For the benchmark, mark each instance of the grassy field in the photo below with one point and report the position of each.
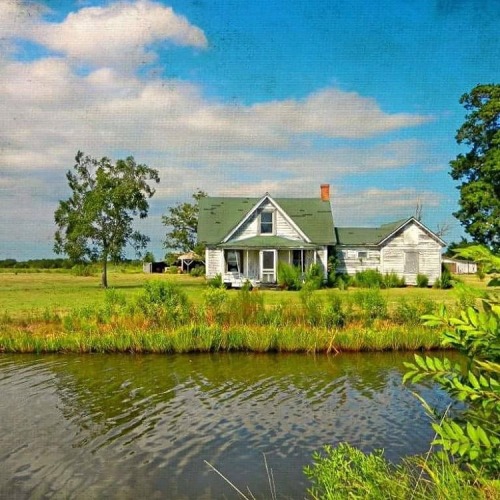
(23, 293)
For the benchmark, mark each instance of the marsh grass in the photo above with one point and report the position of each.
(165, 316)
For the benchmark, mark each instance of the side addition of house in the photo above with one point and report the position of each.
(405, 247)
(246, 238)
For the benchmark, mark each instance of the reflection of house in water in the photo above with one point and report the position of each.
(246, 239)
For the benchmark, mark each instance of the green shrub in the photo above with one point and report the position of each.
(312, 304)
(314, 277)
(289, 277)
(163, 302)
(392, 280)
(369, 278)
(411, 311)
(83, 270)
(215, 282)
(371, 304)
(197, 271)
(247, 307)
(215, 302)
(422, 281)
(334, 314)
(446, 281)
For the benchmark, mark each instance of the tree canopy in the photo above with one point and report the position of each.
(96, 222)
(182, 223)
(479, 168)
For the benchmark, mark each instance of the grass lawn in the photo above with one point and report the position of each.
(24, 293)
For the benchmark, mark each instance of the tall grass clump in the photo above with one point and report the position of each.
(162, 303)
(312, 305)
(346, 472)
(247, 307)
(369, 278)
(410, 312)
(371, 304)
(289, 277)
(392, 280)
(215, 304)
(422, 281)
(334, 314)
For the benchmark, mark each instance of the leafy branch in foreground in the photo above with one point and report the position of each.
(473, 436)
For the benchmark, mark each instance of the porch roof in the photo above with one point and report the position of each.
(276, 242)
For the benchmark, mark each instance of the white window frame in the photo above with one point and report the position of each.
(273, 222)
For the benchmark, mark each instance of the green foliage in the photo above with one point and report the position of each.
(96, 222)
(334, 313)
(392, 280)
(83, 270)
(314, 277)
(445, 281)
(164, 303)
(479, 168)
(197, 271)
(371, 304)
(410, 312)
(215, 282)
(215, 300)
(182, 224)
(369, 278)
(312, 304)
(486, 260)
(346, 472)
(422, 281)
(473, 437)
(289, 277)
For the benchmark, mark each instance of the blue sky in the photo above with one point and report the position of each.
(240, 98)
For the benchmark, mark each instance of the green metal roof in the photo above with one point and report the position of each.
(366, 235)
(267, 242)
(220, 215)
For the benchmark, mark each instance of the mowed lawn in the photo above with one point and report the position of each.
(27, 293)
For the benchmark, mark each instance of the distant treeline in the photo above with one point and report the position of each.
(47, 263)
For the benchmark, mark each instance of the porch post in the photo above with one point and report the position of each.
(246, 263)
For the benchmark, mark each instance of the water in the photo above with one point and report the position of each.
(123, 426)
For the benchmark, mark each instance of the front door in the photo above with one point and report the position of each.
(268, 260)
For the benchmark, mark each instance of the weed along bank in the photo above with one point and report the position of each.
(247, 238)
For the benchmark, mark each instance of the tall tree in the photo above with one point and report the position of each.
(95, 222)
(479, 168)
(182, 224)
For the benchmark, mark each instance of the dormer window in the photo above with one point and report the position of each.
(267, 222)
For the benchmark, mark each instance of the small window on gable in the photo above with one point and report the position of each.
(267, 223)
(362, 255)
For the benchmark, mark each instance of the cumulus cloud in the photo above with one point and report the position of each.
(118, 35)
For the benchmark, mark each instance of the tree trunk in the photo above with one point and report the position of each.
(104, 280)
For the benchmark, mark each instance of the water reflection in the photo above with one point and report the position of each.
(122, 426)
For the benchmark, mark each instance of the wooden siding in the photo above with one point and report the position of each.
(409, 252)
(350, 262)
(282, 227)
(213, 259)
(397, 253)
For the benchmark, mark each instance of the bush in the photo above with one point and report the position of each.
(215, 301)
(422, 281)
(411, 312)
(163, 302)
(334, 314)
(314, 277)
(197, 271)
(392, 280)
(446, 281)
(83, 270)
(371, 303)
(369, 278)
(289, 277)
(215, 282)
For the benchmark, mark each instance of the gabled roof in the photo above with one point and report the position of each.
(219, 216)
(374, 236)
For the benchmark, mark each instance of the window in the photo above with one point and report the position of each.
(267, 223)
(411, 262)
(298, 259)
(362, 255)
(233, 260)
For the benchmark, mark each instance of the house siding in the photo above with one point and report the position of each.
(213, 259)
(350, 262)
(251, 227)
(396, 255)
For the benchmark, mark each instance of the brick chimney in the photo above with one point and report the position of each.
(325, 192)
